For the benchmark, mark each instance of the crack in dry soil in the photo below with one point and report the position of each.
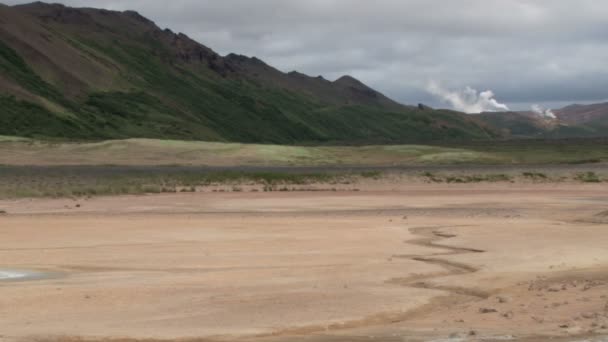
(429, 238)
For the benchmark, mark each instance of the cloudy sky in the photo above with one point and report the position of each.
(546, 52)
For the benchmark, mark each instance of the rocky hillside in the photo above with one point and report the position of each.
(82, 73)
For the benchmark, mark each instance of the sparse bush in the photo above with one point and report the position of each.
(586, 161)
(472, 178)
(535, 175)
(432, 177)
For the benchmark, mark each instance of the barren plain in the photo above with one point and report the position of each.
(398, 262)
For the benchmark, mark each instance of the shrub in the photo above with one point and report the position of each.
(588, 177)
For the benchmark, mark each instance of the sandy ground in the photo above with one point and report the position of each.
(419, 262)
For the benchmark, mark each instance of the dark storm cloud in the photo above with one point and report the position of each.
(526, 51)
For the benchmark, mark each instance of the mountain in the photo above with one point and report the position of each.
(594, 115)
(83, 73)
(573, 121)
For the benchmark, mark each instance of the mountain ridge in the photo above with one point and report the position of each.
(84, 73)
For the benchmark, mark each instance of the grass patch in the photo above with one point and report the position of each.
(581, 151)
(371, 174)
(175, 152)
(588, 177)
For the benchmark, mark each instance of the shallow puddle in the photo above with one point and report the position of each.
(13, 275)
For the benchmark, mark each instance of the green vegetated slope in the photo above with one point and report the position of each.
(98, 74)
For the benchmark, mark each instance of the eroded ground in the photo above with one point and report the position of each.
(419, 262)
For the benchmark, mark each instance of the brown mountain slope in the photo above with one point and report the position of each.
(584, 114)
(571, 121)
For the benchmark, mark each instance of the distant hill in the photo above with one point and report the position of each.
(569, 122)
(82, 73)
(595, 115)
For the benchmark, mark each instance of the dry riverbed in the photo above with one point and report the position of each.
(417, 262)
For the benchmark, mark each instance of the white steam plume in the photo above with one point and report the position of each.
(467, 100)
(546, 113)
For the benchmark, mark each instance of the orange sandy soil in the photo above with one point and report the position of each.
(421, 262)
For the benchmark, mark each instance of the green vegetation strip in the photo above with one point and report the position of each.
(23, 151)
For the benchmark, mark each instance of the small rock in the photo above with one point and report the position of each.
(486, 310)
(472, 333)
(502, 299)
(588, 315)
(554, 288)
(564, 326)
(508, 315)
